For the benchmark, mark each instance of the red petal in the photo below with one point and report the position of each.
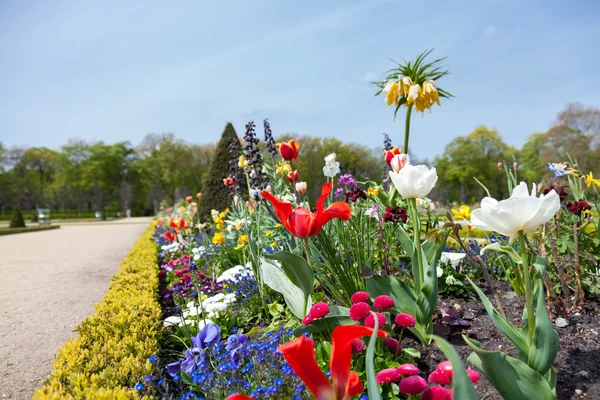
(300, 354)
(341, 354)
(238, 396)
(354, 384)
(336, 210)
(325, 190)
(301, 222)
(283, 209)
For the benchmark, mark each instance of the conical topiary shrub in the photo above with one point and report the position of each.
(17, 220)
(215, 195)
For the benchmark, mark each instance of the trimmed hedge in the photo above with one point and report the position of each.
(111, 353)
(10, 231)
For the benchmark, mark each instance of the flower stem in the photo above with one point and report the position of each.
(407, 128)
(417, 229)
(527, 284)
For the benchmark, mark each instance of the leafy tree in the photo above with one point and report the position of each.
(17, 220)
(214, 194)
(475, 155)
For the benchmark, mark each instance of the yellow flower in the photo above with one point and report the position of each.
(589, 180)
(218, 238)
(277, 225)
(242, 162)
(273, 245)
(405, 84)
(243, 239)
(283, 168)
(391, 90)
(373, 191)
(463, 212)
(268, 233)
(430, 94)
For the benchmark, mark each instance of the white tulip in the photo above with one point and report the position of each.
(521, 212)
(452, 258)
(301, 187)
(414, 181)
(490, 247)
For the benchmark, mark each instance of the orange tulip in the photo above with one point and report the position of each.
(292, 176)
(230, 182)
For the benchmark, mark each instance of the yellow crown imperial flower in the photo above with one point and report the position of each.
(430, 93)
(391, 91)
(405, 84)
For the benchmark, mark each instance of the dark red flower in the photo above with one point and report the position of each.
(412, 385)
(405, 320)
(436, 393)
(578, 207)
(562, 194)
(288, 150)
(395, 213)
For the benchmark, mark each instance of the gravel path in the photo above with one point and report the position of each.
(49, 282)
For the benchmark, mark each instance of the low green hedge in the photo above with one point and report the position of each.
(110, 355)
(10, 231)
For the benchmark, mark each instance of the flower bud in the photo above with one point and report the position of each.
(198, 195)
(515, 165)
(500, 165)
(301, 187)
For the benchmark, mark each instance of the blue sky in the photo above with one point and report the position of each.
(114, 70)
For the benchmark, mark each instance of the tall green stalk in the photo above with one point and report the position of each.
(417, 228)
(527, 284)
(407, 128)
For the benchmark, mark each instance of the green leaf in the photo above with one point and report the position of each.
(324, 325)
(463, 388)
(273, 276)
(414, 353)
(507, 329)
(512, 378)
(298, 271)
(373, 387)
(540, 265)
(404, 298)
(544, 348)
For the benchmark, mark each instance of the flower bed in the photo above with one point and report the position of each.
(112, 349)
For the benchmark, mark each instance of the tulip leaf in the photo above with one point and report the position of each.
(404, 298)
(507, 329)
(540, 265)
(297, 270)
(544, 348)
(461, 383)
(325, 325)
(373, 386)
(274, 276)
(406, 241)
(512, 378)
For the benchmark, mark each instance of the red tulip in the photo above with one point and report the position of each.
(300, 355)
(292, 176)
(288, 150)
(389, 154)
(229, 182)
(303, 223)
(169, 236)
(188, 199)
(239, 397)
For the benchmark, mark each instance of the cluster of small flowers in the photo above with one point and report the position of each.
(361, 311)
(412, 384)
(241, 364)
(349, 189)
(269, 141)
(395, 213)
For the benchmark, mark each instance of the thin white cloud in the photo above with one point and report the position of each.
(489, 31)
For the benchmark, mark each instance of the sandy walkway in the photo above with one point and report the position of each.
(49, 282)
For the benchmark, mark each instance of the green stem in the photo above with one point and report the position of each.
(527, 284)
(307, 249)
(417, 229)
(407, 128)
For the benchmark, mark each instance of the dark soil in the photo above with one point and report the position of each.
(578, 361)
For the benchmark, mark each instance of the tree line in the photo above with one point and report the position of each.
(82, 177)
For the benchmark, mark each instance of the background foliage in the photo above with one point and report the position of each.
(82, 177)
